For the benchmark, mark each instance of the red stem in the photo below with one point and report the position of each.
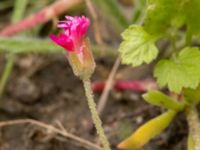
(138, 86)
(40, 17)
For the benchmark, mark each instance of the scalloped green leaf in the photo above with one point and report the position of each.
(137, 47)
(180, 72)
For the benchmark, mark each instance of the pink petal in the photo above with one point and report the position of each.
(63, 41)
(75, 29)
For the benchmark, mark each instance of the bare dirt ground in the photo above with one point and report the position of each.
(44, 88)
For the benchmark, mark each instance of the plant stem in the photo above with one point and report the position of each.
(139, 11)
(95, 117)
(188, 38)
(112, 13)
(194, 126)
(121, 85)
(7, 71)
(19, 9)
(173, 41)
(18, 45)
(190, 143)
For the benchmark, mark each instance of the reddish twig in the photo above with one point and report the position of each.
(138, 86)
(97, 32)
(108, 86)
(40, 17)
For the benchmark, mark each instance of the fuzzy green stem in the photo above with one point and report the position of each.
(95, 117)
(194, 126)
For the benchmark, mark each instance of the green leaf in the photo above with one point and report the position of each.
(159, 15)
(137, 47)
(181, 72)
(159, 99)
(163, 14)
(148, 131)
(191, 10)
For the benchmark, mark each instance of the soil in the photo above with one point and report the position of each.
(44, 88)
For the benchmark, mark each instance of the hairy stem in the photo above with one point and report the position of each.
(194, 126)
(95, 117)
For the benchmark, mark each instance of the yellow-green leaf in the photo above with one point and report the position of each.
(159, 99)
(147, 131)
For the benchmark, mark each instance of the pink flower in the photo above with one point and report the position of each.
(75, 29)
(73, 40)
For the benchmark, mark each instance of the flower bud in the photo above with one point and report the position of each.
(83, 64)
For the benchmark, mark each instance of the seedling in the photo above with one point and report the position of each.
(81, 60)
